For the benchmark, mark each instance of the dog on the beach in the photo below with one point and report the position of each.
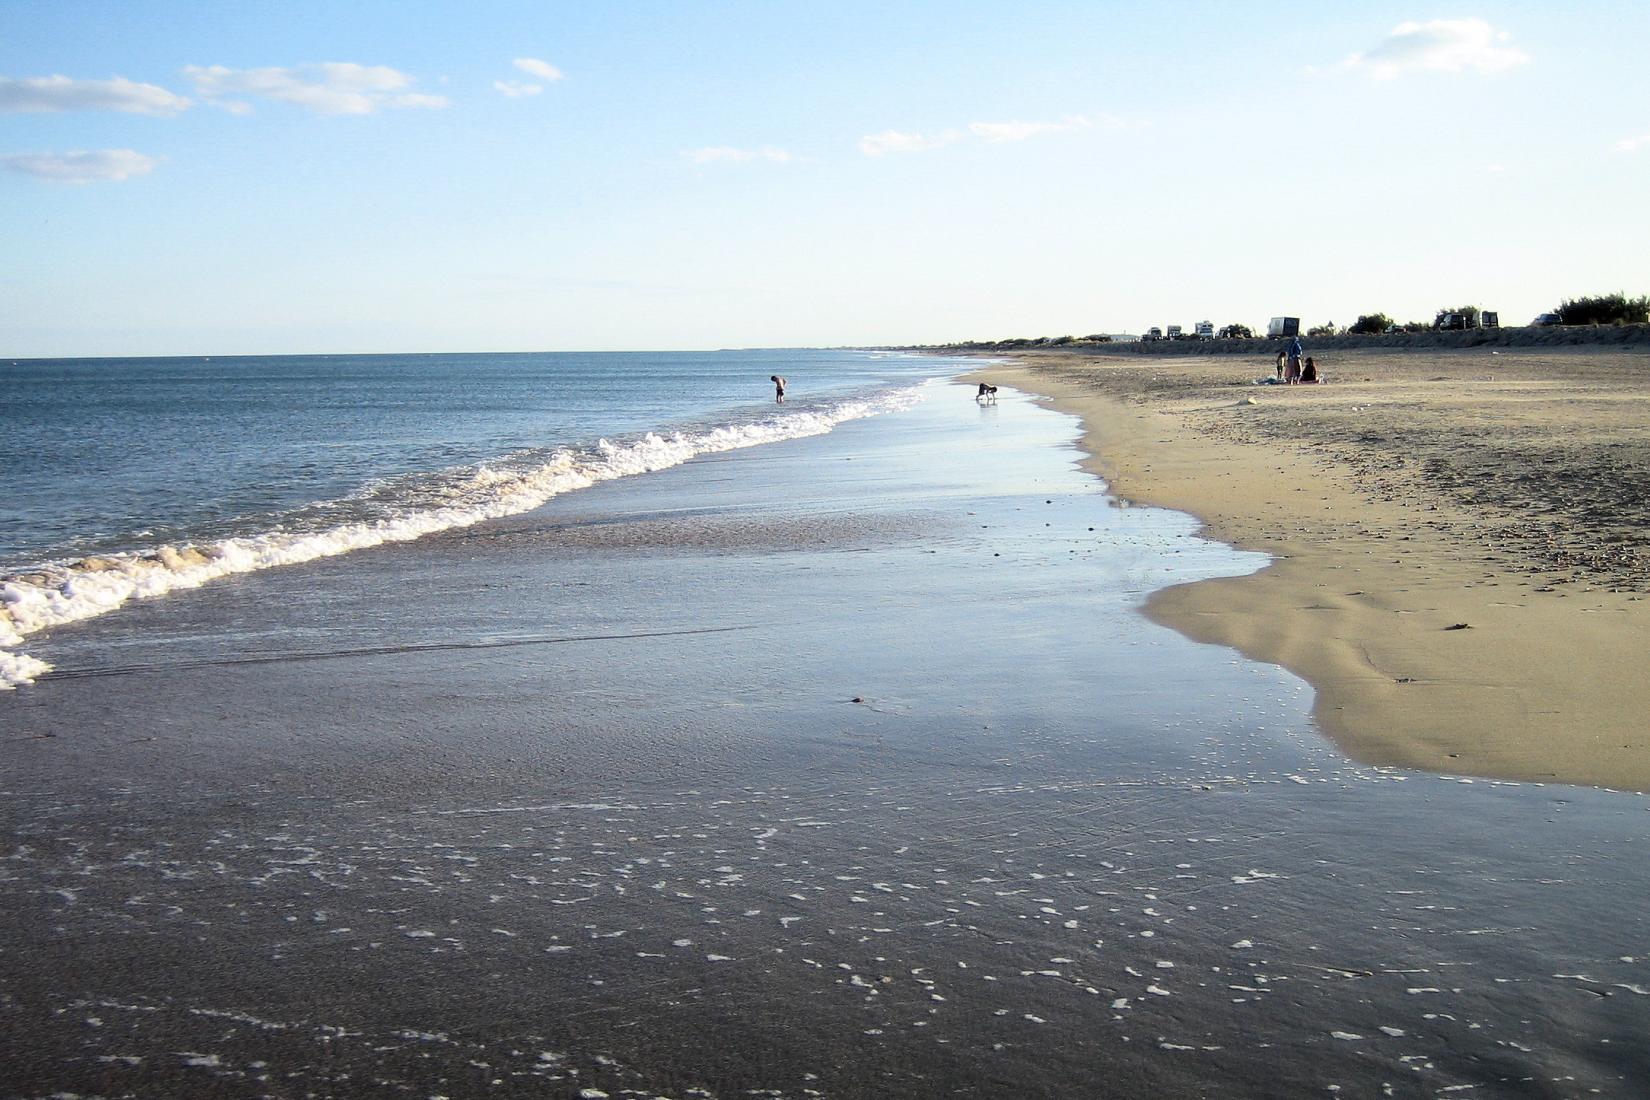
(987, 394)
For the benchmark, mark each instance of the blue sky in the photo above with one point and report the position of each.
(272, 178)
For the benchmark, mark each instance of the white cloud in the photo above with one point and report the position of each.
(60, 93)
(1628, 145)
(893, 141)
(516, 89)
(1440, 45)
(532, 66)
(711, 154)
(330, 88)
(105, 164)
(1019, 131)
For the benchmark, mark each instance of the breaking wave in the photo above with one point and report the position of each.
(55, 593)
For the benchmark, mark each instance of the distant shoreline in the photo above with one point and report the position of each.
(1554, 336)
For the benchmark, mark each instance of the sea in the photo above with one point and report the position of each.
(132, 478)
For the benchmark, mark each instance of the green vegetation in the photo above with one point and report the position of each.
(1469, 315)
(1606, 309)
(1371, 324)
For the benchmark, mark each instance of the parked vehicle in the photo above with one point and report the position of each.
(1542, 320)
(1174, 333)
(1283, 326)
(1153, 333)
(1456, 320)
(1204, 330)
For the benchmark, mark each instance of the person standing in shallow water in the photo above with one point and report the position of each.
(778, 387)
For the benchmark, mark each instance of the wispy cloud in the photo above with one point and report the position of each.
(105, 164)
(61, 93)
(329, 88)
(545, 71)
(1440, 45)
(895, 141)
(1632, 144)
(1020, 131)
(713, 153)
(532, 66)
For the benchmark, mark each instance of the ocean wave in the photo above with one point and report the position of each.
(55, 593)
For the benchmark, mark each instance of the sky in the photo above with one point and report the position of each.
(282, 178)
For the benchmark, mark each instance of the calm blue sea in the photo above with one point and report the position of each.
(130, 477)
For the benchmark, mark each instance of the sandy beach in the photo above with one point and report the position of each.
(1461, 538)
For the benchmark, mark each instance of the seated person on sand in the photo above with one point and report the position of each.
(1309, 373)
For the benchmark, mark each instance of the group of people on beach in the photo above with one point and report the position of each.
(1291, 370)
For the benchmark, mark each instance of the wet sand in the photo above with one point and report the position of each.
(1461, 539)
(843, 767)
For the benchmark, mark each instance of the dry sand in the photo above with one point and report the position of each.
(1461, 539)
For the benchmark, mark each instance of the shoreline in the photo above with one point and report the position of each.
(1432, 637)
(1523, 337)
(863, 728)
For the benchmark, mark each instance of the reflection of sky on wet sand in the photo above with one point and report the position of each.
(1053, 847)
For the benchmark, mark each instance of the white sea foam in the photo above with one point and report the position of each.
(57, 593)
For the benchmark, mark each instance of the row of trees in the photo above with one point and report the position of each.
(1606, 309)
(1373, 324)
(1603, 309)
